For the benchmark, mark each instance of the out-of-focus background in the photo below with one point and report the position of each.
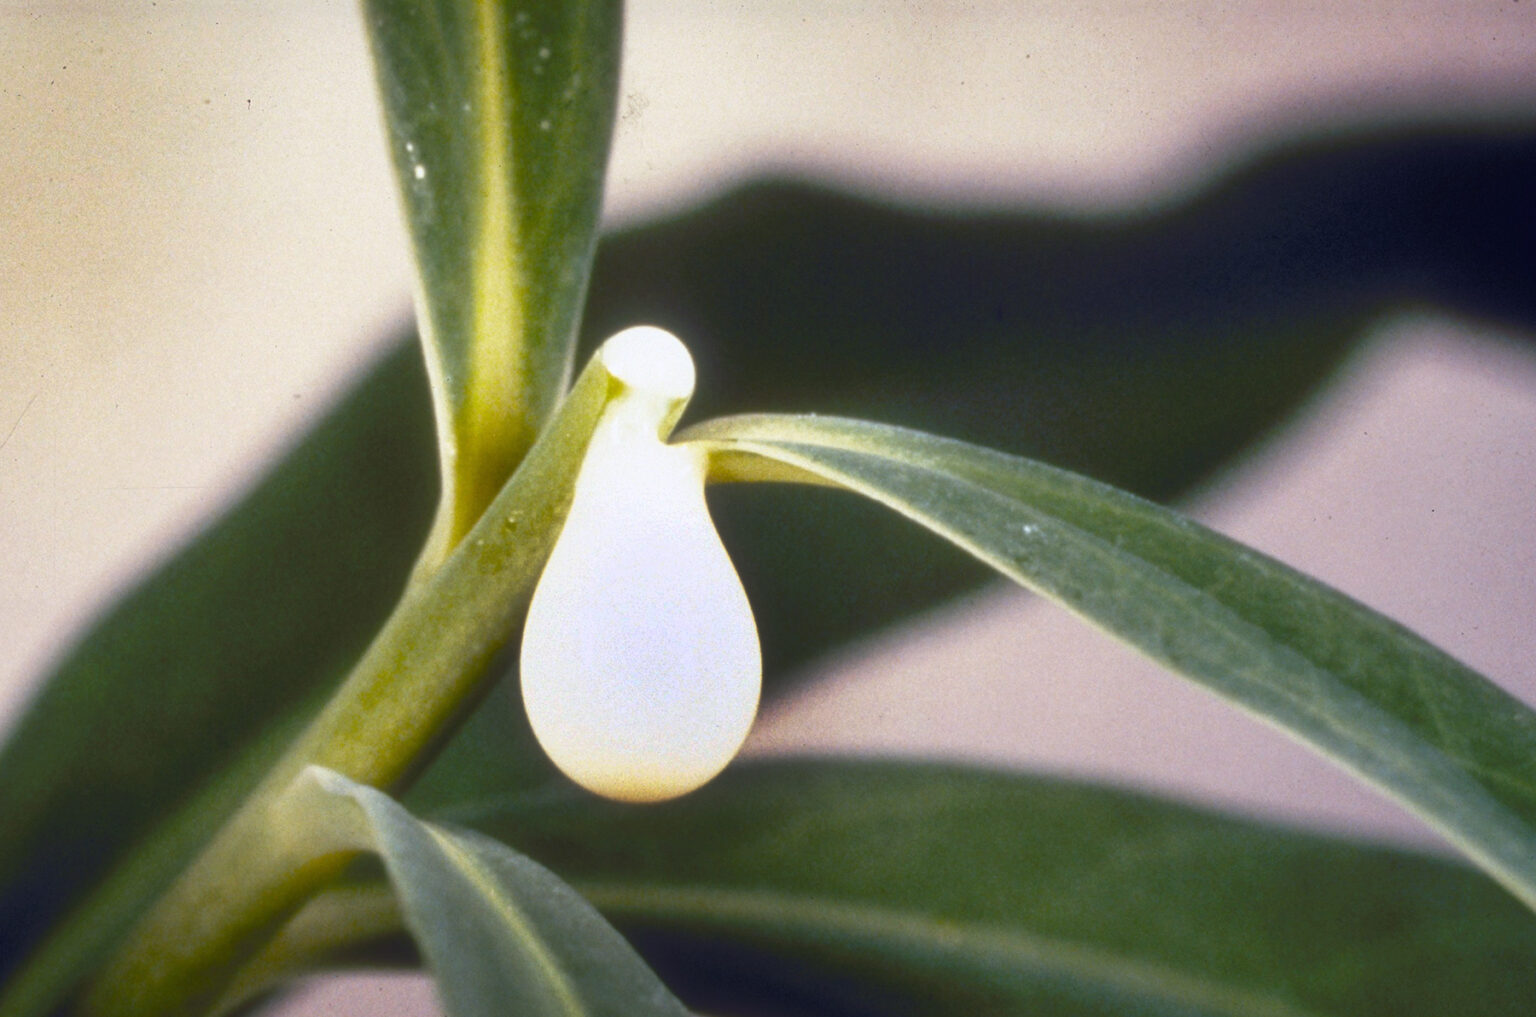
(202, 245)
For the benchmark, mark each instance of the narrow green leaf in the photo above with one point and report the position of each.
(1101, 343)
(962, 892)
(499, 117)
(501, 934)
(931, 890)
(1359, 688)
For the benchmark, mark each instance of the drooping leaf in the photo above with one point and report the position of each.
(1144, 345)
(867, 887)
(1145, 348)
(1430, 732)
(499, 117)
(924, 889)
(501, 934)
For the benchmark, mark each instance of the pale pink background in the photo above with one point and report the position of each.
(202, 244)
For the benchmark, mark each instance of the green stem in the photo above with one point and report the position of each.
(422, 673)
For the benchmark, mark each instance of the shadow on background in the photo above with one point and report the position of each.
(1146, 349)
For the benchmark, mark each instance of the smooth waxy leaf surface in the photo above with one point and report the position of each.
(1143, 345)
(859, 887)
(500, 933)
(958, 891)
(499, 118)
(1429, 731)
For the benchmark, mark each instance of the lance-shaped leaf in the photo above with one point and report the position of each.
(1430, 732)
(501, 934)
(499, 121)
(859, 887)
(958, 892)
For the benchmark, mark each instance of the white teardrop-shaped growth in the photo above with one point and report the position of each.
(640, 661)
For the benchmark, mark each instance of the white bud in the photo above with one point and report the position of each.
(640, 660)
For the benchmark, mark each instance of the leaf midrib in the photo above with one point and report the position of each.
(496, 383)
(1491, 832)
(555, 978)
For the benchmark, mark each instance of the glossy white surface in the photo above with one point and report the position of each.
(640, 665)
